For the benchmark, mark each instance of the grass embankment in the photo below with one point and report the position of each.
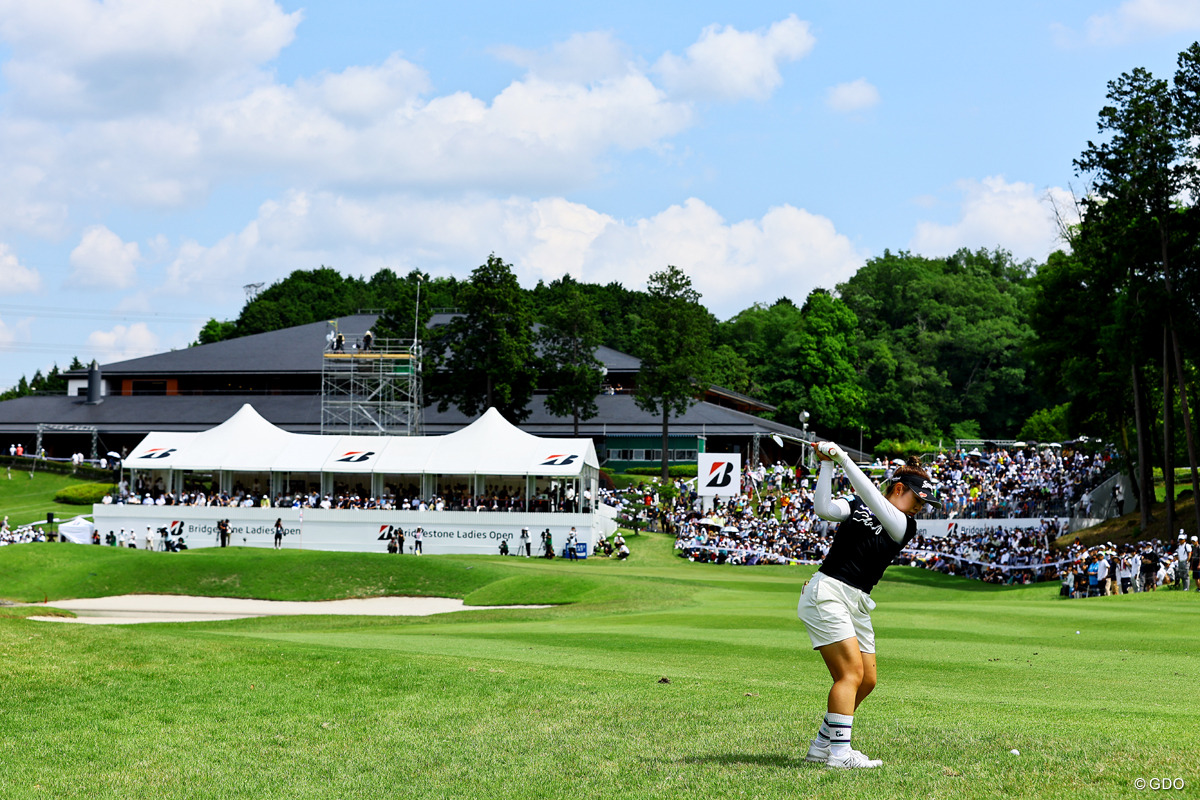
(1127, 529)
(36, 573)
(568, 702)
(24, 499)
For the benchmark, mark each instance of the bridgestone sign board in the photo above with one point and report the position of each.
(351, 530)
(719, 474)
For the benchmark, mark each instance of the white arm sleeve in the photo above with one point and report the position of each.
(826, 507)
(895, 522)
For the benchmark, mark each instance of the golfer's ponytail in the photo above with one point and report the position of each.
(911, 467)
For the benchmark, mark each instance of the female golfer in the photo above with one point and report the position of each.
(835, 605)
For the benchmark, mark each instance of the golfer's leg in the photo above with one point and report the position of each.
(845, 664)
(868, 679)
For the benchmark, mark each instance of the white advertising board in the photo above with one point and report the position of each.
(350, 530)
(718, 474)
(972, 527)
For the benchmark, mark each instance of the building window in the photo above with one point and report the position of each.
(149, 387)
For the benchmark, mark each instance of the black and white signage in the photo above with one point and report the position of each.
(719, 474)
(359, 531)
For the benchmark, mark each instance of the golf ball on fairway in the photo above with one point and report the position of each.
(1015, 751)
(1076, 633)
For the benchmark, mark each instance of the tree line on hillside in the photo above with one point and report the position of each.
(1117, 314)
(53, 382)
(908, 348)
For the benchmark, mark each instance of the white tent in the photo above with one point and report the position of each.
(78, 530)
(247, 443)
(491, 445)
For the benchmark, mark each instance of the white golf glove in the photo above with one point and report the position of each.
(830, 450)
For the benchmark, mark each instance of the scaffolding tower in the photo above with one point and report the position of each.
(371, 386)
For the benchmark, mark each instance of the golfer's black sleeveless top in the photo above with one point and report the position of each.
(862, 549)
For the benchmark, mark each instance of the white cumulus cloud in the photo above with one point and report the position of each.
(123, 342)
(105, 59)
(581, 58)
(788, 251)
(102, 259)
(151, 104)
(996, 213)
(1132, 20)
(852, 96)
(728, 64)
(14, 276)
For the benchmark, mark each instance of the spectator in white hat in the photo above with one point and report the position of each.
(1195, 562)
(1183, 556)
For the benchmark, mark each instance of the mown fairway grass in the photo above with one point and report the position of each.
(567, 702)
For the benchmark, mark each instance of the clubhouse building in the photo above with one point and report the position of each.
(280, 375)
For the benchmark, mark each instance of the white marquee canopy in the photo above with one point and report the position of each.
(248, 443)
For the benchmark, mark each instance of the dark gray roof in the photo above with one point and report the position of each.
(616, 361)
(618, 416)
(613, 360)
(144, 413)
(289, 350)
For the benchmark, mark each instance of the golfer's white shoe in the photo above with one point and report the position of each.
(852, 759)
(817, 753)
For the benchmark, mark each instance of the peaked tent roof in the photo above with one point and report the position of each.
(492, 445)
(243, 443)
(246, 442)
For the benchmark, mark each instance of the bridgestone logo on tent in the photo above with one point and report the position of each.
(357, 456)
(158, 452)
(559, 460)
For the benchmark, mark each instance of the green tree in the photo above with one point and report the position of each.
(304, 296)
(1047, 425)
(1076, 334)
(730, 370)
(215, 331)
(942, 341)
(567, 339)
(617, 311)
(484, 358)
(401, 312)
(814, 366)
(673, 344)
(1138, 170)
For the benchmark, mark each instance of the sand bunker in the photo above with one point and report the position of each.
(130, 609)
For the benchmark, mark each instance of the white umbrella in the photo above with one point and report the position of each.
(709, 522)
(729, 529)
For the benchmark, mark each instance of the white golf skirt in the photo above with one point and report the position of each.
(833, 611)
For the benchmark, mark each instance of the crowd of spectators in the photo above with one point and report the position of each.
(393, 500)
(773, 521)
(21, 533)
(1028, 482)
(1146, 566)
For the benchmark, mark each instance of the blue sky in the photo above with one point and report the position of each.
(157, 157)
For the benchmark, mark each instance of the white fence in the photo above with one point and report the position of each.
(352, 530)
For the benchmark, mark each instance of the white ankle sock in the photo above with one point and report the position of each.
(839, 726)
